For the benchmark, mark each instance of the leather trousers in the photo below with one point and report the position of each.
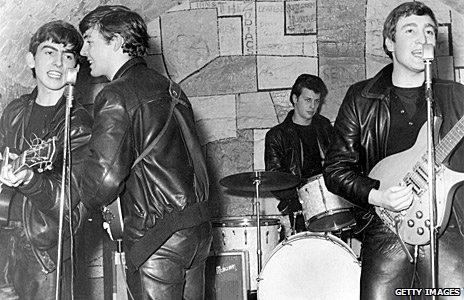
(22, 275)
(385, 265)
(177, 269)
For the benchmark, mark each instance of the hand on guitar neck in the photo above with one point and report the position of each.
(395, 198)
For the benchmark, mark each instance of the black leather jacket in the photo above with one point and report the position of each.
(42, 195)
(282, 152)
(160, 192)
(362, 127)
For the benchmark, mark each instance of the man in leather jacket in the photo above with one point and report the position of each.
(297, 145)
(167, 231)
(382, 116)
(32, 194)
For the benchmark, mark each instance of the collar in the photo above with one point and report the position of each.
(127, 65)
(288, 118)
(380, 85)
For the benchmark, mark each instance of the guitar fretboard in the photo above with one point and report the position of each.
(449, 141)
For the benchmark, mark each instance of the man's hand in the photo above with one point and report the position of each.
(8, 178)
(395, 198)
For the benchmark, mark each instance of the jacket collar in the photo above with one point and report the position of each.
(288, 119)
(380, 85)
(127, 65)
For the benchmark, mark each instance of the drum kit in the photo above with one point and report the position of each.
(308, 265)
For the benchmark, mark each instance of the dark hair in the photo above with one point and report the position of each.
(58, 32)
(404, 10)
(311, 82)
(111, 20)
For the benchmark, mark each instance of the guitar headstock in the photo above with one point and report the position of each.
(40, 155)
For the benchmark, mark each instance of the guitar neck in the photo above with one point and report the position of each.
(449, 141)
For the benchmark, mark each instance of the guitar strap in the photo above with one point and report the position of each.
(174, 91)
(6, 193)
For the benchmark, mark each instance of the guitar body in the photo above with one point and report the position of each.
(409, 167)
(40, 157)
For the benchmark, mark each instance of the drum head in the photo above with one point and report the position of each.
(331, 221)
(310, 266)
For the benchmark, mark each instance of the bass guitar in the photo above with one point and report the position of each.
(410, 168)
(39, 156)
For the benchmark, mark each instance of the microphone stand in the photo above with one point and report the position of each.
(427, 56)
(71, 76)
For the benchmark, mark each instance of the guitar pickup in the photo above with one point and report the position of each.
(419, 170)
(416, 186)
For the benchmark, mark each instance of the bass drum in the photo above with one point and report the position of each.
(310, 266)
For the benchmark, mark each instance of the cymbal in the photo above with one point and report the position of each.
(268, 181)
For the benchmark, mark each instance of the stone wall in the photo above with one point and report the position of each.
(237, 60)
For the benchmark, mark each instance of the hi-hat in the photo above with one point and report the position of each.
(268, 181)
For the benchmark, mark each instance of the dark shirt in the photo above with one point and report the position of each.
(312, 161)
(408, 112)
(41, 116)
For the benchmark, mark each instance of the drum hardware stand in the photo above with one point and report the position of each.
(252, 182)
(256, 183)
(295, 214)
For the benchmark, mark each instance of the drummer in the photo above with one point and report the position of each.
(297, 145)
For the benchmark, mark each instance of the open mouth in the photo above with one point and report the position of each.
(55, 74)
(417, 53)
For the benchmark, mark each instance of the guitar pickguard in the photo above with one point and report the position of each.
(410, 168)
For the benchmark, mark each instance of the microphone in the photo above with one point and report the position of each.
(427, 52)
(427, 57)
(70, 78)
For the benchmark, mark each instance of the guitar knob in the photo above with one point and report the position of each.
(419, 214)
(420, 231)
(427, 223)
(411, 223)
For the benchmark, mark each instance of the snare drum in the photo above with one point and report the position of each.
(241, 234)
(310, 265)
(322, 210)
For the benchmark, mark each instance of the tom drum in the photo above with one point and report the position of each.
(322, 210)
